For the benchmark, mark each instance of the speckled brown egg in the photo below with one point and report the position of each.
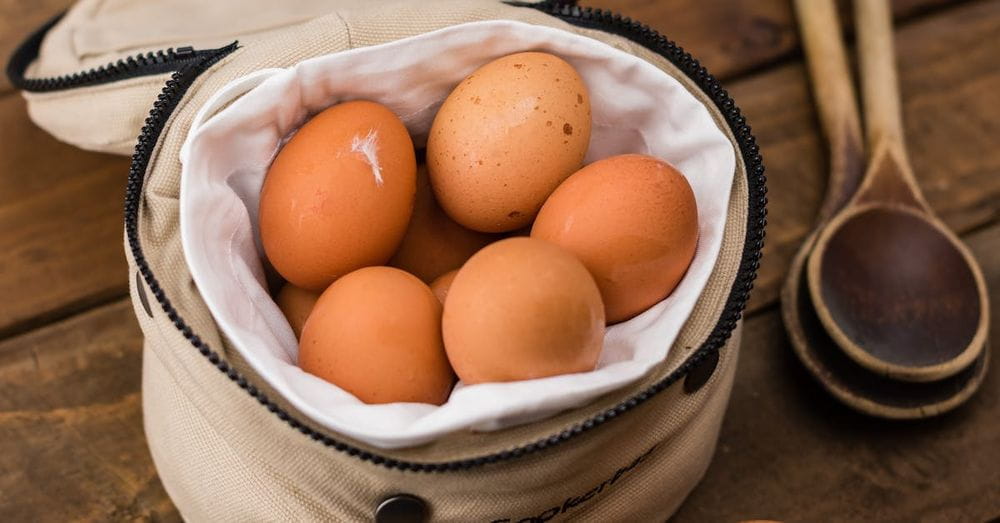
(338, 195)
(376, 333)
(442, 285)
(434, 244)
(520, 309)
(296, 304)
(506, 137)
(633, 221)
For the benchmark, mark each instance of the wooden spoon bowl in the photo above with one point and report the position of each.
(852, 384)
(899, 293)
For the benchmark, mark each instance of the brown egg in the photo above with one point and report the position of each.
(506, 137)
(296, 304)
(339, 194)
(520, 309)
(442, 285)
(376, 333)
(633, 221)
(434, 244)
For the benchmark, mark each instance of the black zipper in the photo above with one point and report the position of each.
(141, 64)
(182, 79)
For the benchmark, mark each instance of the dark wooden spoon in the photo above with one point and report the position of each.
(820, 31)
(894, 288)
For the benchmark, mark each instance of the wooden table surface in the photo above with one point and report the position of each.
(71, 438)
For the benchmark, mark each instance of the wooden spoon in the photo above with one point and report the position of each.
(820, 31)
(839, 375)
(833, 93)
(897, 290)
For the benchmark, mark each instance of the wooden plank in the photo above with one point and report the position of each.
(730, 37)
(789, 451)
(71, 439)
(737, 36)
(18, 19)
(60, 224)
(949, 78)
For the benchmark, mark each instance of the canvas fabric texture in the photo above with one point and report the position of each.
(222, 456)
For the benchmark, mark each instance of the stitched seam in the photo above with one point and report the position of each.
(347, 29)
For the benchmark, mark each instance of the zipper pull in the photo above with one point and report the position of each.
(184, 52)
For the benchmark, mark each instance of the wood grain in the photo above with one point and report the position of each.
(18, 18)
(734, 37)
(60, 224)
(949, 77)
(788, 451)
(71, 439)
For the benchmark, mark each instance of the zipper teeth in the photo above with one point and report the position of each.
(181, 80)
(135, 65)
(140, 64)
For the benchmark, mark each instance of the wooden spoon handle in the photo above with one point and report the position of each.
(889, 178)
(879, 85)
(820, 30)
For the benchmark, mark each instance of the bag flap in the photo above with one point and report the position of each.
(91, 75)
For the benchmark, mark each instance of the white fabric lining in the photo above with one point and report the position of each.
(636, 109)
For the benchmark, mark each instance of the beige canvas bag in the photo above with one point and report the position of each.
(226, 446)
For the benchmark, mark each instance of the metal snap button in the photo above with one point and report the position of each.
(401, 508)
(699, 375)
(140, 289)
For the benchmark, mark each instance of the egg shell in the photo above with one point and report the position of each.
(434, 244)
(520, 309)
(633, 221)
(376, 333)
(338, 195)
(442, 285)
(506, 137)
(296, 304)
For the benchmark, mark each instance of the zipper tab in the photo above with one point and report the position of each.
(184, 52)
